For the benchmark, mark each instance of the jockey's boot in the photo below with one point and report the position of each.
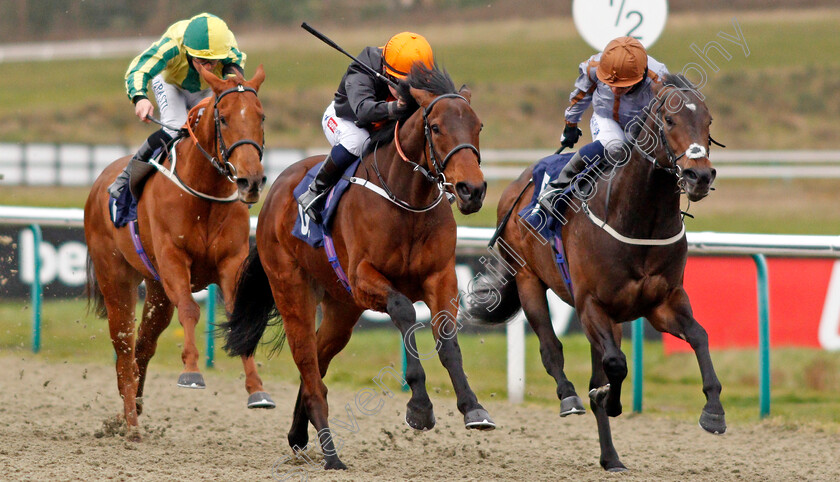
(556, 186)
(139, 165)
(312, 200)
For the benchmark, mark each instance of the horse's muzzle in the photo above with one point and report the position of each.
(470, 196)
(250, 188)
(698, 181)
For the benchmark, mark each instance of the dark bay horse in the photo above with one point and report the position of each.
(194, 230)
(397, 247)
(635, 272)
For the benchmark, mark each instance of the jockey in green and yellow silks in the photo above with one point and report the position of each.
(170, 65)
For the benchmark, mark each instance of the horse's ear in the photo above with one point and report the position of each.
(257, 79)
(423, 97)
(215, 83)
(465, 92)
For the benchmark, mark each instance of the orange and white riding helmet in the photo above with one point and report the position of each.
(403, 50)
(623, 62)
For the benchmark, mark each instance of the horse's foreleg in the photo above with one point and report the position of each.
(442, 298)
(675, 317)
(599, 390)
(606, 335)
(535, 305)
(372, 289)
(175, 275)
(157, 313)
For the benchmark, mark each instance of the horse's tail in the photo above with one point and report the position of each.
(95, 298)
(253, 310)
(493, 298)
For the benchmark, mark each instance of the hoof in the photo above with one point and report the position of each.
(133, 434)
(335, 465)
(420, 420)
(260, 400)
(479, 419)
(191, 380)
(620, 468)
(713, 423)
(571, 406)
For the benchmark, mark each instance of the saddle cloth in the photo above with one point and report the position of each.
(545, 170)
(305, 228)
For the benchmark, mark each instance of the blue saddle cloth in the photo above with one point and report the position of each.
(545, 170)
(123, 209)
(305, 228)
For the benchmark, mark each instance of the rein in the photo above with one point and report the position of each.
(438, 178)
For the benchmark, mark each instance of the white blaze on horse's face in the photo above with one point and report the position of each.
(691, 107)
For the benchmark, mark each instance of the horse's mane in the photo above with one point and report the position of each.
(678, 81)
(435, 80)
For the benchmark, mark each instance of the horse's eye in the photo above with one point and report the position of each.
(223, 120)
(263, 118)
(669, 120)
(481, 127)
(435, 129)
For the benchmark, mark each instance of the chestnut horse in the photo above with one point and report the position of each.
(628, 266)
(396, 245)
(193, 230)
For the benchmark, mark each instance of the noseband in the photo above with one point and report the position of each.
(223, 165)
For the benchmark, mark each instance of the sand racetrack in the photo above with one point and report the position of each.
(54, 425)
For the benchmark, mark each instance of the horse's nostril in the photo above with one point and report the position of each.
(714, 174)
(690, 175)
(242, 183)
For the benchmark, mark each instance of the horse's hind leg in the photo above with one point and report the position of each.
(157, 313)
(535, 305)
(377, 292)
(598, 392)
(333, 335)
(675, 317)
(120, 295)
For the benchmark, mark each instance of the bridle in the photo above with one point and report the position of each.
(438, 178)
(694, 151)
(223, 165)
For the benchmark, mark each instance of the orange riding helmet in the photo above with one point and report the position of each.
(403, 50)
(623, 62)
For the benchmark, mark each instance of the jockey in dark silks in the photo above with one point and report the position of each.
(361, 102)
(617, 82)
(171, 65)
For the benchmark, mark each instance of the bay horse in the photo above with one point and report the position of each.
(194, 227)
(637, 271)
(395, 251)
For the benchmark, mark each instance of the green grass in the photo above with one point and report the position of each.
(805, 390)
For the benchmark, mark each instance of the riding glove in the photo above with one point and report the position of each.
(570, 136)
